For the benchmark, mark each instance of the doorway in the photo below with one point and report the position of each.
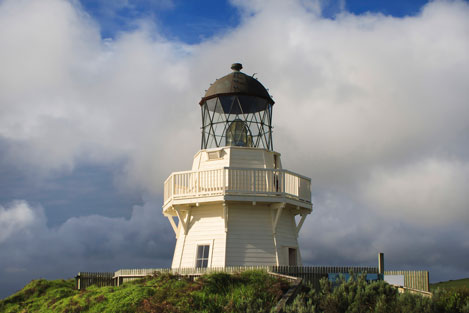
(292, 257)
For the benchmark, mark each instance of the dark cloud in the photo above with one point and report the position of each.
(341, 233)
(31, 249)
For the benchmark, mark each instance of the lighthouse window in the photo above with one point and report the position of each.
(202, 256)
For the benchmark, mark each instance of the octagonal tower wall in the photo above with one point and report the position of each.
(241, 157)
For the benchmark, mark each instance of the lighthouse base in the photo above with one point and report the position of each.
(236, 234)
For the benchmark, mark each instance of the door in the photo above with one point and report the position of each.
(292, 257)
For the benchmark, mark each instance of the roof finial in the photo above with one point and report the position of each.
(236, 67)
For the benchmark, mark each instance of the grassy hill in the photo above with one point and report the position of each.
(451, 284)
(253, 291)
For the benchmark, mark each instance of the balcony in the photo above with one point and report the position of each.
(240, 183)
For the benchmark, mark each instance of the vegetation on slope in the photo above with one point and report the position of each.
(250, 291)
(451, 284)
(357, 295)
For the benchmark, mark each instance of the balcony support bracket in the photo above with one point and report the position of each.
(300, 223)
(184, 220)
(173, 225)
(279, 208)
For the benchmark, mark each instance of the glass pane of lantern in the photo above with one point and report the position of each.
(206, 117)
(219, 108)
(211, 104)
(218, 129)
(218, 118)
(211, 142)
(227, 103)
(250, 104)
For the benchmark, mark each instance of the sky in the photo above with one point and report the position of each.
(99, 104)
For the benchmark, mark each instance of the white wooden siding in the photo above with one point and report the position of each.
(207, 225)
(286, 237)
(249, 239)
(202, 161)
(197, 160)
(245, 157)
(236, 174)
(236, 157)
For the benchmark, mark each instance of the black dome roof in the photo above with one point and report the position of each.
(237, 83)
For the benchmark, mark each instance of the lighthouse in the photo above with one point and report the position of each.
(237, 206)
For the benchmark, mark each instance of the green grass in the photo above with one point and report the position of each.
(451, 284)
(250, 291)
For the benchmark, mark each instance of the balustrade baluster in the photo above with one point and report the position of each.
(197, 183)
(254, 189)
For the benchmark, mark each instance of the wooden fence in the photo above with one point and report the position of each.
(313, 274)
(413, 279)
(85, 279)
(308, 273)
(418, 280)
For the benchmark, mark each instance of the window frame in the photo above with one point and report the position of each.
(209, 257)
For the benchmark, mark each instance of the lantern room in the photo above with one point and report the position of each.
(237, 111)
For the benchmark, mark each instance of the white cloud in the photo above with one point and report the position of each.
(430, 191)
(351, 92)
(68, 96)
(16, 218)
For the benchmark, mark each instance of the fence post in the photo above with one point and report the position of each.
(380, 263)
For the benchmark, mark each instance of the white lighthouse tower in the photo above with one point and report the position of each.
(237, 206)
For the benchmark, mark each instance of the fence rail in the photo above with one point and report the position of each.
(232, 180)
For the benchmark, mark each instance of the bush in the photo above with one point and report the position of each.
(451, 300)
(356, 295)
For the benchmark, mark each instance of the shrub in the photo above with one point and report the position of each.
(357, 295)
(451, 300)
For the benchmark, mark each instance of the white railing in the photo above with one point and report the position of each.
(243, 181)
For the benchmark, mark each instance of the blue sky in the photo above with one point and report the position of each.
(99, 104)
(194, 21)
(188, 21)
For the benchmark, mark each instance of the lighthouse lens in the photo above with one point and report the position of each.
(238, 134)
